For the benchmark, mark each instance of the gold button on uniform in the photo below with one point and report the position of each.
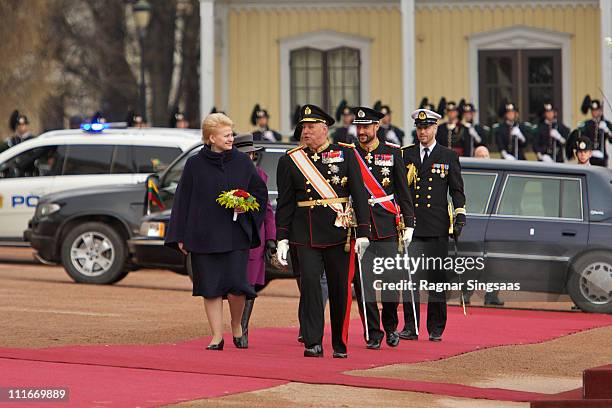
(416, 205)
(430, 179)
(428, 196)
(308, 190)
(428, 205)
(429, 188)
(417, 196)
(418, 179)
(419, 187)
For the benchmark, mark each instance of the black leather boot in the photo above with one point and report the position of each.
(246, 316)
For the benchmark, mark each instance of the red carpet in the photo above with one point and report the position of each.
(275, 357)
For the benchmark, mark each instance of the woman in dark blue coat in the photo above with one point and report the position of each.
(219, 246)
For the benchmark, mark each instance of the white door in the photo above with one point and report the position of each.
(24, 178)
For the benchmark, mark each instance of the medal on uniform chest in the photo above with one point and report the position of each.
(333, 156)
(344, 181)
(335, 179)
(386, 181)
(334, 168)
(385, 160)
(368, 157)
(315, 157)
(385, 171)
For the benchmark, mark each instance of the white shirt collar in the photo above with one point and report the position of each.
(422, 149)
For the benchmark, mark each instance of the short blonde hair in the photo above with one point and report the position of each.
(212, 122)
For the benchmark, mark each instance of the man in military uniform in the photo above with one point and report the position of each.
(392, 220)
(597, 129)
(433, 172)
(19, 125)
(313, 212)
(474, 134)
(451, 133)
(510, 134)
(347, 132)
(551, 136)
(259, 118)
(583, 150)
(387, 132)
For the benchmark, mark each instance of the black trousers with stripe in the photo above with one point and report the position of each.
(436, 301)
(334, 261)
(384, 248)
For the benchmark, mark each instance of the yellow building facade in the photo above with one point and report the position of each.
(453, 46)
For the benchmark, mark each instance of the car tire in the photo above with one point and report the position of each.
(94, 253)
(590, 282)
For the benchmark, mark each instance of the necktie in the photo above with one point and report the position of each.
(426, 155)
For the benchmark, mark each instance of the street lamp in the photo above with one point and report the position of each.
(142, 16)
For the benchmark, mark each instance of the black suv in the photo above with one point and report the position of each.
(88, 234)
(546, 226)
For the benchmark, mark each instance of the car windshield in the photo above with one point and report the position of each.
(173, 175)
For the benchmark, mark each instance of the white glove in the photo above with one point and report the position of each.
(407, 236)
(547, 158)
(554, 133)
(604, 126)
(598, 154)
(507, 155)
(517, 133)
(474, 134)
(282, 249)
(361, 244)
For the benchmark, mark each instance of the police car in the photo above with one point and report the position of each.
(65, 159)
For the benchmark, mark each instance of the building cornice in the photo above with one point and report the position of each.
(395, 4)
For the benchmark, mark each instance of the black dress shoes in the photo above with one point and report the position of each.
(408, 335)
(314, 351)
(241, 342)
(338, 354)
(435, 337)
(218, 346)
(373, 344)
(393, 339)
(300, 339)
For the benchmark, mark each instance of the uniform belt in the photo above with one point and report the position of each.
(373, 201)
(322, 201)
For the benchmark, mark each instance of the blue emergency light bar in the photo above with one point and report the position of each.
(94, 127)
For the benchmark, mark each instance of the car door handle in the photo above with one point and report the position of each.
(568, 233)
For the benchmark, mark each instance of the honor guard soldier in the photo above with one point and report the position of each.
(510, 135)
(583, 149)
(551, 136)
(433, 173)
(259, 118)
(597, 129)
(347, 132)
(179, 120)
(451, 133)
(387, 132)
(315, 214)
(19, 125)
(392, 221)
(474, 134)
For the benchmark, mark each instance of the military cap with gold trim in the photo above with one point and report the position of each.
(366, 116)
(312, 113)
(425, 117)
(583, 143)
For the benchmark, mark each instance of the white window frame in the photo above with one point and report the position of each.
(524, 38)
(321, 40)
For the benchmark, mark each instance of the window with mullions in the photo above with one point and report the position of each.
(324, 78)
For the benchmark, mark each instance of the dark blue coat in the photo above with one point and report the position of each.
(202, 224)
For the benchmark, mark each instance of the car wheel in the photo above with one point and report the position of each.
(94, 253)
(590, 282)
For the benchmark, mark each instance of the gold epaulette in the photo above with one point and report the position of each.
(392, 145)
(405, 147)
(295, 149)
(349, 145)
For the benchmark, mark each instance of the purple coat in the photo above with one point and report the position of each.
(256, 269)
